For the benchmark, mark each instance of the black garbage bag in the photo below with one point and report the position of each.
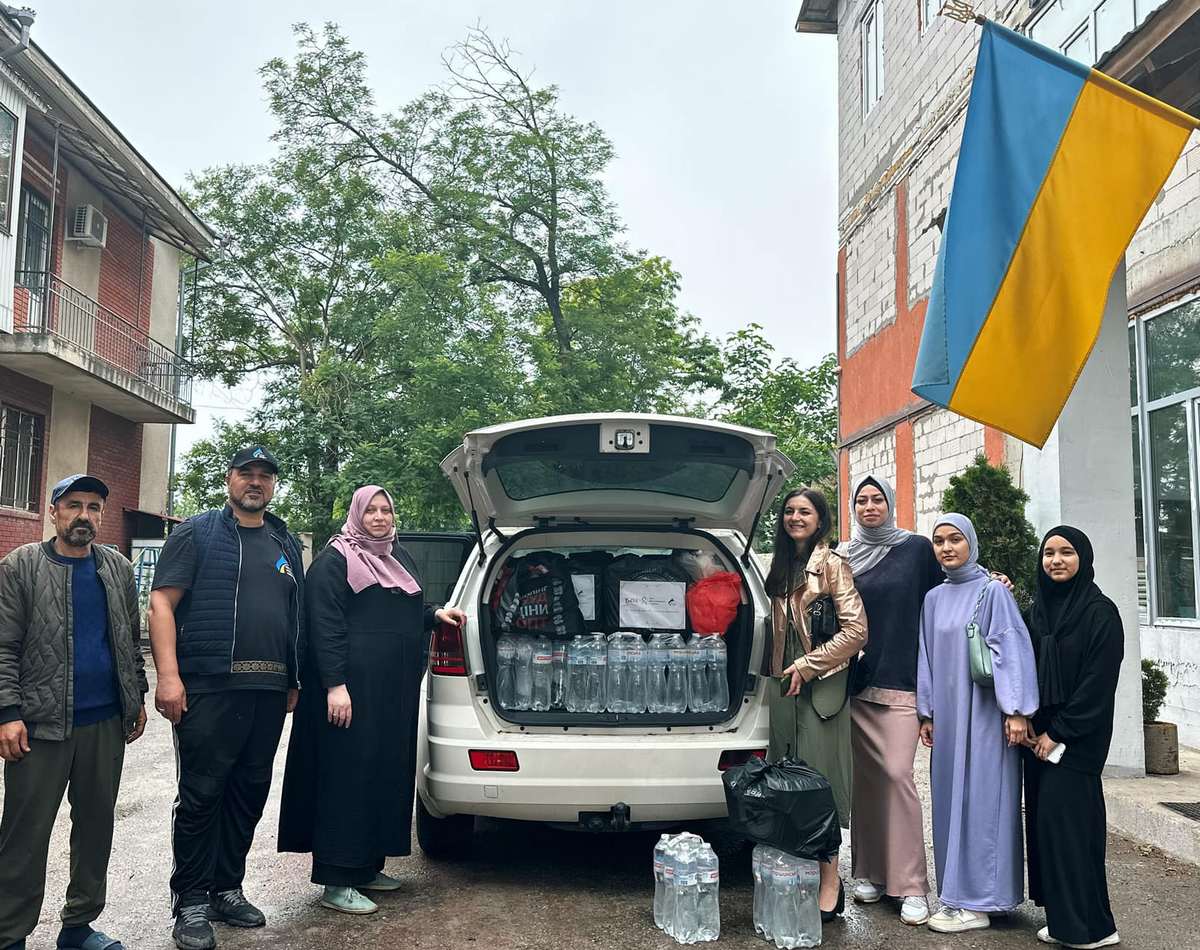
(786, 804)
(534, 594)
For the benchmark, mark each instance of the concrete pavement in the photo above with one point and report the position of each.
(531, 887)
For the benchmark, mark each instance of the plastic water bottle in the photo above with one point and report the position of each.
(524, 677)
(717, 662)
(670, 856)
(808, 887)
(785, 910)
(635, 660)
(676, 698)
(687, 893)
(597, 679)
(578, 667)
(506, 672)
(660, 861)
(708, 894)
(658, 657)
(618, 673)
(542, 672)
(759, 867)
(558, 676)
(697, 676)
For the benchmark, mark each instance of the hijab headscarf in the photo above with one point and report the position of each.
(1060, 607)
(869, 546)
(369, 560)
(971, 568)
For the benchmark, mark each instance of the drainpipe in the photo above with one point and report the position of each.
(24, 16)
(47, 289)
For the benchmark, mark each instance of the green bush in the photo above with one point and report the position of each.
(985, 493)
(1154, 690)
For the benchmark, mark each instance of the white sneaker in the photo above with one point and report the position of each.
(1044, 936)
(914, 911)
(867, 893)
(1111, 940)
(948, 920)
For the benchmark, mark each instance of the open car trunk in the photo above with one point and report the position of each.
(550, 584)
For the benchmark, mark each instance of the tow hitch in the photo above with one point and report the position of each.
(615, 819)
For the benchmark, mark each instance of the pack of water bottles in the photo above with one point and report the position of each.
(620, 672)
(786, 887)
(687, 889)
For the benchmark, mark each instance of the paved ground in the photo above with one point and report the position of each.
(529, 887)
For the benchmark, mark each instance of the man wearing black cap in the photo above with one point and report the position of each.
(226, 626)
(72, 685)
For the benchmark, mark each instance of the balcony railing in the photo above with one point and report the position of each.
(63, 311)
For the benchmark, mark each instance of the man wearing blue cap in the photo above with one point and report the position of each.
(72, 684)
(226, 626)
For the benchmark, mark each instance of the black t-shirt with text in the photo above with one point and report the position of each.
(263, 631)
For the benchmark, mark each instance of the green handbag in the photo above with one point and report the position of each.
(977, 648)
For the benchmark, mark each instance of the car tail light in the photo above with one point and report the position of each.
(492, 760)
(447, 657)
(731, 757)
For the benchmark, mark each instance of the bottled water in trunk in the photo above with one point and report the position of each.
(698, 700)
(541, 674)
(716, 665)
(618, 673)
(595, 699)
(578, 668)
(524, 674)
(558, 676)
(658, 658)
(676, 700)
(506, 672)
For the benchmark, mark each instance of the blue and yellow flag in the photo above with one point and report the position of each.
(1058, 166)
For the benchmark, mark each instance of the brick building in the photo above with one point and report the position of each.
(903, 83)
(92, 245)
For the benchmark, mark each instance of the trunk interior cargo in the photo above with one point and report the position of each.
(556, 587)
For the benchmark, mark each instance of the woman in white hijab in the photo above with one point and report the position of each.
(893, 570)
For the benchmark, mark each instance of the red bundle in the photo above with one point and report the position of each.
(712, 603)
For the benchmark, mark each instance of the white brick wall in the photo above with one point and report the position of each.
(943, 445)
(873, 456)
(871, 277)
(929, 187)
(1168, 242)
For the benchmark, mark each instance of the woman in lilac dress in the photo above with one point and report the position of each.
(975, 733)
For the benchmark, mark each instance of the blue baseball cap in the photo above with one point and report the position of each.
(78, 482)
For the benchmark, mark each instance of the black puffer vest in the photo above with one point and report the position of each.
(206, 617)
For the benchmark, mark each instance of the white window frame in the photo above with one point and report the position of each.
(1190, 399)
(872, 54)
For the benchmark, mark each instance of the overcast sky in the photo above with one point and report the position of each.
(723, 119)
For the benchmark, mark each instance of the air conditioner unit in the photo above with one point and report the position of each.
(88, 226)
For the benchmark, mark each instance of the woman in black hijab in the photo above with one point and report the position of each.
(1079, 643)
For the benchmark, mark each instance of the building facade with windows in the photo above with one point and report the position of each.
(93, 243)
(904, 79)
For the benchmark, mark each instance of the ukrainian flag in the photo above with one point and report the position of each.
(1058, 166)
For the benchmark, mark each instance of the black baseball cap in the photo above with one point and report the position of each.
(254, 453)
(78, 482)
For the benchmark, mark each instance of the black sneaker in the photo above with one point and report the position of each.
(192, 929)
(233, 908)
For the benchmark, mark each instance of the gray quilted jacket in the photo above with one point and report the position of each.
(37, 674)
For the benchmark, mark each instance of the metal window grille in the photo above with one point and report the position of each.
(21, 439)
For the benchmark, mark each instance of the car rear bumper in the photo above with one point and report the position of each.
(661, 777)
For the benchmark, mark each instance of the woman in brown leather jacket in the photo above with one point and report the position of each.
(809, 716)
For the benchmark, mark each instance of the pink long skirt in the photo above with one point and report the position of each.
(887, 832)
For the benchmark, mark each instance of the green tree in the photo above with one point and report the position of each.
(797, 404)
(985, 493)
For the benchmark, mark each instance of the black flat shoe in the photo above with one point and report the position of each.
(829, 916)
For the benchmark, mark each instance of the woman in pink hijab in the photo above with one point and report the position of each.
(348, 788)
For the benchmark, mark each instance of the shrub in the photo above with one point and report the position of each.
(1154, 690)
(985, 493)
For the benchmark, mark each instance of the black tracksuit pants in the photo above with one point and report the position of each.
(225, 750)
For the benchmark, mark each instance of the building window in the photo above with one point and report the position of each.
(21, 438)
(1165, 354)
(8, 159)
(929, 13)
(872, 56)
(33, 246)
(1085, 30)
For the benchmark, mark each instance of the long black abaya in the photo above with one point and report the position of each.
(348, 793)
(1079, 643)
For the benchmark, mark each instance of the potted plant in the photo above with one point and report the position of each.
(1162, 738)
